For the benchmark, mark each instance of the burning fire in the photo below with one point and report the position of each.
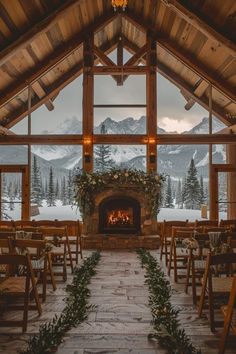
(119, 217)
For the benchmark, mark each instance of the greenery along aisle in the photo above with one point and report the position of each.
(165, 321)
(51, 333)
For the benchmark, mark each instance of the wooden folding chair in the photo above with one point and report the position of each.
(227, 223)
(74, 235)
(229, 313)
(166, 236)
(210, 223)
(39, 258)
(213, 286)
(178, 252)
(58, 237)
(13, 287)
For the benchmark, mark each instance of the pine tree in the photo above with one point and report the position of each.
(202, 198)
(36, 187)
(70, 188)
(103, 161)
(179, 199)
(51, 191)
(63, 191)
(192, 188)
(4, 200)
(168, 196)
(57, 192)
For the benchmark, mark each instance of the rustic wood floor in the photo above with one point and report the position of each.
(120, 322)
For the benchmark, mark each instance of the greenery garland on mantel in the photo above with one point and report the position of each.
(165, 321)
(88, 185)
(51, 333)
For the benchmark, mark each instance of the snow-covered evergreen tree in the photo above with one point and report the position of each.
(202, 197)
(192, 189)
(168, 195)
(102, 156)
(179, 199)
(36, 187)
(51, 190)
(70, 188)
(4, 199)
(63, 191)
(57, 190)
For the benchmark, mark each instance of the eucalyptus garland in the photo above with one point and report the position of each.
(165, 321)
(87, 185)
(51, 333)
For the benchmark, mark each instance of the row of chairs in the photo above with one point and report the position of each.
(188, 247)
(74, 231)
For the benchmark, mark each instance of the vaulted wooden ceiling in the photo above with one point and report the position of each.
(41, 44)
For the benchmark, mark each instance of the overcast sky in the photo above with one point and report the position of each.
(171, 114)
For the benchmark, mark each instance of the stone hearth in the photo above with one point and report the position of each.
(146, 236)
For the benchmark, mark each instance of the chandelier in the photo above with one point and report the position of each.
(119, 3)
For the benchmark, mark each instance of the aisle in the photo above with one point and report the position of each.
(121, 321)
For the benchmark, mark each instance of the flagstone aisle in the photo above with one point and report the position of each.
(121, 321)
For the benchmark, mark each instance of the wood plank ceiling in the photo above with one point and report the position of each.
(41, 44)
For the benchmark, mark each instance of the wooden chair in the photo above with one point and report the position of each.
(74, 235)
(7, 224)
(227, 223)
(229, 314)
(166, 236)
(211, 223)
(13, 287)
(39, 259)
(22, 223)
(60, 249)
(178, 252)
(213, 229)
(216, 285)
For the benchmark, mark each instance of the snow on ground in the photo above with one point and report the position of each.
(72, 213)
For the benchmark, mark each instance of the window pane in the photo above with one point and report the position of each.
(11, 196)
(179, 201)
(122, 156)
(13, 154)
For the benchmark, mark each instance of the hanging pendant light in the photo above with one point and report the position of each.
(119, 3)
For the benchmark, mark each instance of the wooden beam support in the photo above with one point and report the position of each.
(57, 56)
(104, 59)
(116, 70)
(151, 100)
(88, 101)
(213, 193)
(122, 139)
(49, 104)
(201, 25)
(120, 60)
(188, 61)
(43, 26)
(198, 68)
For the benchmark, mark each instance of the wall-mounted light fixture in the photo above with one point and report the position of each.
(87, 140)
(87, 157)
(151, 140)
(152, 157)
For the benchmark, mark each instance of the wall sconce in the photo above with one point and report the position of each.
(87, 140)
(151, 140)
(152, 157)
(87, 158)
(119, 3)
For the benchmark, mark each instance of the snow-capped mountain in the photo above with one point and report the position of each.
(172, 159)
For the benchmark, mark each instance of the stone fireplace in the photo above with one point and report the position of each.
(119, 210)
(120, 214)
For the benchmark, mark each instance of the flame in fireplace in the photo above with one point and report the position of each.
(118, 217)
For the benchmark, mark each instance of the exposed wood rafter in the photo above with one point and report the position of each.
(200, 24)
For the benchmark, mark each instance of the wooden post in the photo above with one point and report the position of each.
(213, 193)
(211, 198)
(0, 195)
(25, 212)
(151, 98)
(120, 60)
(88, 100)
(231, 182)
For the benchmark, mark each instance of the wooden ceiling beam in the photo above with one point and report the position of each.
(38, 29)
(120, 70)
(122, 139)
(51, 61)
(104, 59)
(197, 67)
(186, 59)
(53, 91)
(201, 25)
